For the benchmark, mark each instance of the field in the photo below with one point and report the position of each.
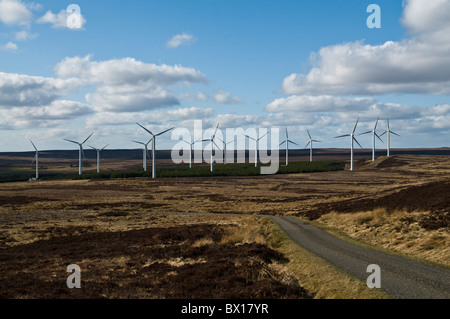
(197, 237)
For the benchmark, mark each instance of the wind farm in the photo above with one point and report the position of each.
(197, 157)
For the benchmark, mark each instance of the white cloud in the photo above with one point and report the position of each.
(155, 117)
(25, 36)
(125, 85)
(60, 20)
(26, 90)
(15, 12)
(10, 46)
(417, 65)
(225, 98)
(180, 39)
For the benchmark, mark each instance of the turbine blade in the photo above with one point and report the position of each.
(354, 129)
(93, 148)
(139, 142)
(145, 129)
(309, 135)
(293, 142)
(342, 136)
(317, 141)
(387, 119)
(82, 151)
(379, 138)
(34, 145)
(263, 136)
(165, 131)
(395, 134)
(282, 142)
(366, 132)
(250, 137)
(71, 141)
(383, 133)
(357, 142)
(376, 123)
(308, 144)
(215, 144)
(34, 158)
(215, 132)
(104, 147)
(287, 136)
(87, 139)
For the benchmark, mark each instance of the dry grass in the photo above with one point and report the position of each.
(399, 231)
(247, 230)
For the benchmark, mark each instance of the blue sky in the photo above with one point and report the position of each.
(298, 64)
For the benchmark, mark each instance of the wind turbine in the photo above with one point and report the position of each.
(374, 134)
(256, 147)
(36, 158)
(310, 143)
(389, 136)
(225, 149)
(212, 146)
(191, 144)
(80, 153)
(98, 156)
(145, 154)
(154, 146)
(287, 141)
(353, 138)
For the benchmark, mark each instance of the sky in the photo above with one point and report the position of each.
(300, 65)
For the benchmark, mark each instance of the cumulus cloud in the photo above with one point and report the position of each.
(420, 64)
(25, 36)
(225, 98)
(60, 20)
(155, 117)
(15, 12)
(180, 39)
(125, 85)
(10, 46)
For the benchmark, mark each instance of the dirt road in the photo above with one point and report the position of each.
(400, 277)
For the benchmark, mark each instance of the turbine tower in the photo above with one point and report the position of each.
(310, 143)
(145, 153)
(374, 134)
(191, 144)
(389, 137)
(352, 138)
(212, 146)
(80, 153)
(256, 147)
(36, 158)
(154, 146)
(287, 141)
(98, 156)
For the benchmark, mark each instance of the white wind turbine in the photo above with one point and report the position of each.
(389, 137)
(287, 141)
(145, 153)
(225, 149)
(212, 146)
(374, 134)
(36, 158)
(256, 147)
(154, 146)
(310, 143)
(80, 153)
(191, 144)
(352, 138)
(98, 156)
